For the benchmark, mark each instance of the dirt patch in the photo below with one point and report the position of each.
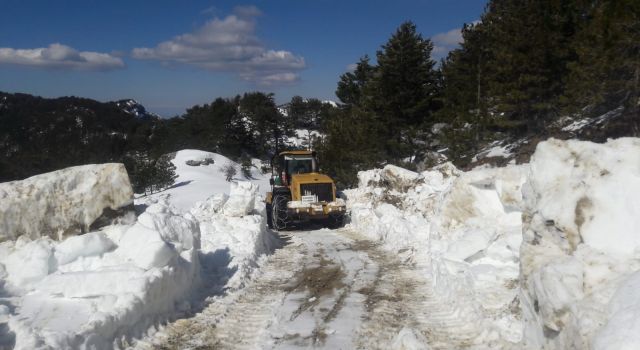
(581, 207)
(363, 245)
(319, 280)
(317, 337)
(581, 211)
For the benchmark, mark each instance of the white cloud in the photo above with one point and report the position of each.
(58, 56)
(445, 42)
(275, 79)
(352, 67)
(229, 45)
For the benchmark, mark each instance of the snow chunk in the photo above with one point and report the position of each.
(145, 247)
(30, 263)
(90, 244)
(369, 178)
(398, 178)
(63, 202)
(233, 234)
(408, 339)
(472, 242)
(241, 199)
(158, 237)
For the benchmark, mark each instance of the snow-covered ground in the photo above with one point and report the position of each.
(331, 289)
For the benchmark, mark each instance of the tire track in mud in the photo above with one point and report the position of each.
(403, 310)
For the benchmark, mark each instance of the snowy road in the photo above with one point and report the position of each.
(325, 289)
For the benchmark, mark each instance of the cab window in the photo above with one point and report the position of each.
(298, 165)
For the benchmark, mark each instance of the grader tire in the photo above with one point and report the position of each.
(279, 216)
(335, 222)
(269, 209)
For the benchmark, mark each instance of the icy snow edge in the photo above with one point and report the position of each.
(62, 202)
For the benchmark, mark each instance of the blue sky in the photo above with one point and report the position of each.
(171, 54)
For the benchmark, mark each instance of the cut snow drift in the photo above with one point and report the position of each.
(464, 231)
(102, 288)
(544, 255)
(62, 202)
(581, 245)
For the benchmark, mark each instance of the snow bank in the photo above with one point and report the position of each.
(545, 254)
(104, 289)
(234, 234)
(462, 229)
(62, 202)
(101, 289)
(580, 247)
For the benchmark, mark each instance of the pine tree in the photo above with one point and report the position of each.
(529, 42)
(606, 74)
(150, 175)
(164, 173)
(296, 110)
(351, 87)
(465, 96)
(245, 166)
(229, 170)
(264, 122)
(405, 88)
(352, 144)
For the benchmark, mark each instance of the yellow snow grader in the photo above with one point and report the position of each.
(299, 193)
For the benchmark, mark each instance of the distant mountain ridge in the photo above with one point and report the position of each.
(133, 107)
(129, 106)
(42, 134)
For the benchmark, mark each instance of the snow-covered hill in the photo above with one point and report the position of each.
(197, 183)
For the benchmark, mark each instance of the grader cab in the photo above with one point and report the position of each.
(299, 193)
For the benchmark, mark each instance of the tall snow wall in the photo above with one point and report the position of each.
(581, 240)
(62, 202)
